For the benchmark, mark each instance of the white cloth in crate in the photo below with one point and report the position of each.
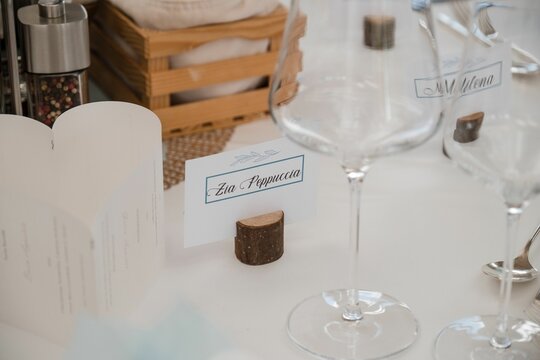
(179, 14)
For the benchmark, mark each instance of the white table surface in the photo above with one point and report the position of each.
(426, 229)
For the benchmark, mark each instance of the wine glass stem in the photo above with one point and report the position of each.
(352, 311)
(501, 338)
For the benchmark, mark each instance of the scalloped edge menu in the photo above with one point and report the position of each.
(81, 212)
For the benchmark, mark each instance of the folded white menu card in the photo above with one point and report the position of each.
(221, 189)
(80, 215)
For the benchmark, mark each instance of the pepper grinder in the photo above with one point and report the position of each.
(56, 55)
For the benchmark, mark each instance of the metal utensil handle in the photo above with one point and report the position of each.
(531, 240)
(12, 58)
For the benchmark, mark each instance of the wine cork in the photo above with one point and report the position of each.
(379, 31)
(468, 127)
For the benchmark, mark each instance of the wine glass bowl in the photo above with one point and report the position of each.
(492, 132)
(350, 98)
(355, 81)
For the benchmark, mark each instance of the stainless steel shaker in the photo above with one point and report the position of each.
(56, 55)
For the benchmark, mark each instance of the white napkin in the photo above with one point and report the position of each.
(223, 49)
(178, 14)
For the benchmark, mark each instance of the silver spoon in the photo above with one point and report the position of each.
(523, 270)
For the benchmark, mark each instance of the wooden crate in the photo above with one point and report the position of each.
(140, 73)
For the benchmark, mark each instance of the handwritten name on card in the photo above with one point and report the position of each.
(474, 80)
(254, 179)
(223, 188)
(483, 76)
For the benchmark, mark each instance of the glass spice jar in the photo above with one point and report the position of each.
(57, 55)
(53, 94)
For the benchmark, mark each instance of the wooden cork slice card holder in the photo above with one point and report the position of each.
(468, 127)
(259, 239)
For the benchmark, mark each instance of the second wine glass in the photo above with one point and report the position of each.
(356, 80)
(492, 132)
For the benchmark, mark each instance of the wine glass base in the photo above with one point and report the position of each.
(469, 338)
(387, 326)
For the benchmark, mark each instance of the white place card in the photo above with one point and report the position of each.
(221, 189)
(489, 71)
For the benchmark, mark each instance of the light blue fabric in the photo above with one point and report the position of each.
(182, 334)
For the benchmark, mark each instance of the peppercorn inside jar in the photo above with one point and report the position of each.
(50, 95)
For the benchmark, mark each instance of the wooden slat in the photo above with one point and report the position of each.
(285, 93)
(291, 66)
(196, 76)
(118, 59)
(207, 111)
(298, 29)
(158, 64)
(275, 42)
(161, 101)
(166, 43)
(117, 22)
(110, 83)
(158, 102)
(218, 124)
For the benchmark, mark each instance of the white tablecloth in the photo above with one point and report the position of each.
(426, 229)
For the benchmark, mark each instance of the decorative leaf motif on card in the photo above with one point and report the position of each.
(254, 156)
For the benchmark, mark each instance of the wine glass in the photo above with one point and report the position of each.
(492, 131)
(355, 80)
